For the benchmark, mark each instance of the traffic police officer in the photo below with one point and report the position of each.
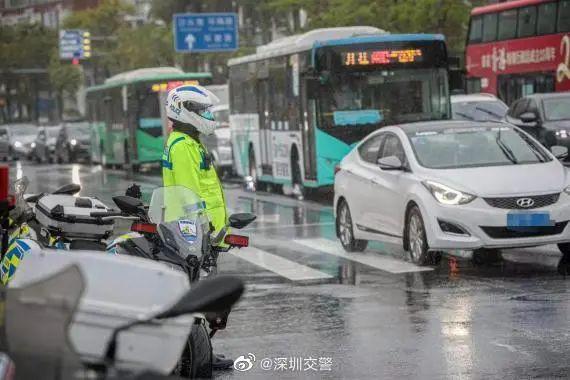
(186, 162)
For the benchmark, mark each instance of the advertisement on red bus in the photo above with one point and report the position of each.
(547, 54)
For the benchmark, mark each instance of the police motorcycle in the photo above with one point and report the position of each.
(175, 229)
(46, 303)
(82, 225)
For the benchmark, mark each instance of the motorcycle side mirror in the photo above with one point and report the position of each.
(70, 189)
(241, 220)
(128, 205)
(210, 295)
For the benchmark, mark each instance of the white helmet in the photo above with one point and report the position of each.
(191, 104)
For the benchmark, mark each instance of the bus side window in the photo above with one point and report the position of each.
(476, 29)
(527, 22)
(546, 18)
(507, 25)
(489, 27)
(564, 16)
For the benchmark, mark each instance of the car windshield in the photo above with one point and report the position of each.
(479, 111)
(475, 147)
(557, 108)
(24, 130)
(52, 132)
(79, 130)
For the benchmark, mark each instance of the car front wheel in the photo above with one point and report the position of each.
(416, 237)
(345, 230)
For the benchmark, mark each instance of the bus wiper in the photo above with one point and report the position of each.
(506, 150)
(489, 112)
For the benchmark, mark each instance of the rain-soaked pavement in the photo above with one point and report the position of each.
(312, 310)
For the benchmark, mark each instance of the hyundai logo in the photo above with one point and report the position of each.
(525, 202)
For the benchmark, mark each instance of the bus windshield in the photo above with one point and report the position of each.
(385, 97)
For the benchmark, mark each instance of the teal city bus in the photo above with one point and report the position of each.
(126, 120)
(299, 104)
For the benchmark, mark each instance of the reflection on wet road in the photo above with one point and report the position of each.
(372, 315)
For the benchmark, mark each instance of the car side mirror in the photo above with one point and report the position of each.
(390, 163)
(559, 151)
(528, 117)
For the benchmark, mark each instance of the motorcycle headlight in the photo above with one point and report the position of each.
(73, 142)
(446, 195)
(33, 145)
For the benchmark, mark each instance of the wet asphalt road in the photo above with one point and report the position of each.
(313, 311)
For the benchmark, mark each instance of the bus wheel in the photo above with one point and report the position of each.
(251, 180)
(296, 176)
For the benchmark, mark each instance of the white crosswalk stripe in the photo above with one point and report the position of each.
(279, 265)
(375, 260)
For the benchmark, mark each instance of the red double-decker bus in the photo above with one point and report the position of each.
(518, 48)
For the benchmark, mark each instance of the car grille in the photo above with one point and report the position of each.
(523, 232)
(511, 202)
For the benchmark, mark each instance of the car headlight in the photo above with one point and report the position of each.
(33, 145)
(446, 195)
(73, 142)
(567, 190)
(17, 144)
(562, 133)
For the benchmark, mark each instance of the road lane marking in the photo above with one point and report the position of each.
(282, 226)
(375, 260)
(277, 264)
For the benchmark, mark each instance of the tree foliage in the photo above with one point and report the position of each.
(25, 46)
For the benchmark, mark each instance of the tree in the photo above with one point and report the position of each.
(146, 46)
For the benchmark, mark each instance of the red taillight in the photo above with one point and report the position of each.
(237, 240)
(147, 228)
(336, 169)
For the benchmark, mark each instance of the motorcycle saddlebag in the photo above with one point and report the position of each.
(69, 216)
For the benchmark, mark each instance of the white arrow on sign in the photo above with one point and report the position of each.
(190, 39)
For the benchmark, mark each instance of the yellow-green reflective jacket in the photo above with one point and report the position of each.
(185, 163)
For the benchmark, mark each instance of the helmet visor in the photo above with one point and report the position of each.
(202, 110)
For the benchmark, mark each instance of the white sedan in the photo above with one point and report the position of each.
(447, 185)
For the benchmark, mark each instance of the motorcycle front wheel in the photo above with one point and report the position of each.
(196, 360)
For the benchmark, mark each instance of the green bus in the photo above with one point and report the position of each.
(125, 116)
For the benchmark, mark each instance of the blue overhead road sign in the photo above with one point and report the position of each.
(74, 43)
(205, 32)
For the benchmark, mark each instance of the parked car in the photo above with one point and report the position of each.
(452, 185)
(219, 143)
(73, 142)
(43, 147)
(478, 107)
(5, 149)
(546, 117)
(21, 138)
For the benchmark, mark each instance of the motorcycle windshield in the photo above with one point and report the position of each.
(181, 218)
(174, 203)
